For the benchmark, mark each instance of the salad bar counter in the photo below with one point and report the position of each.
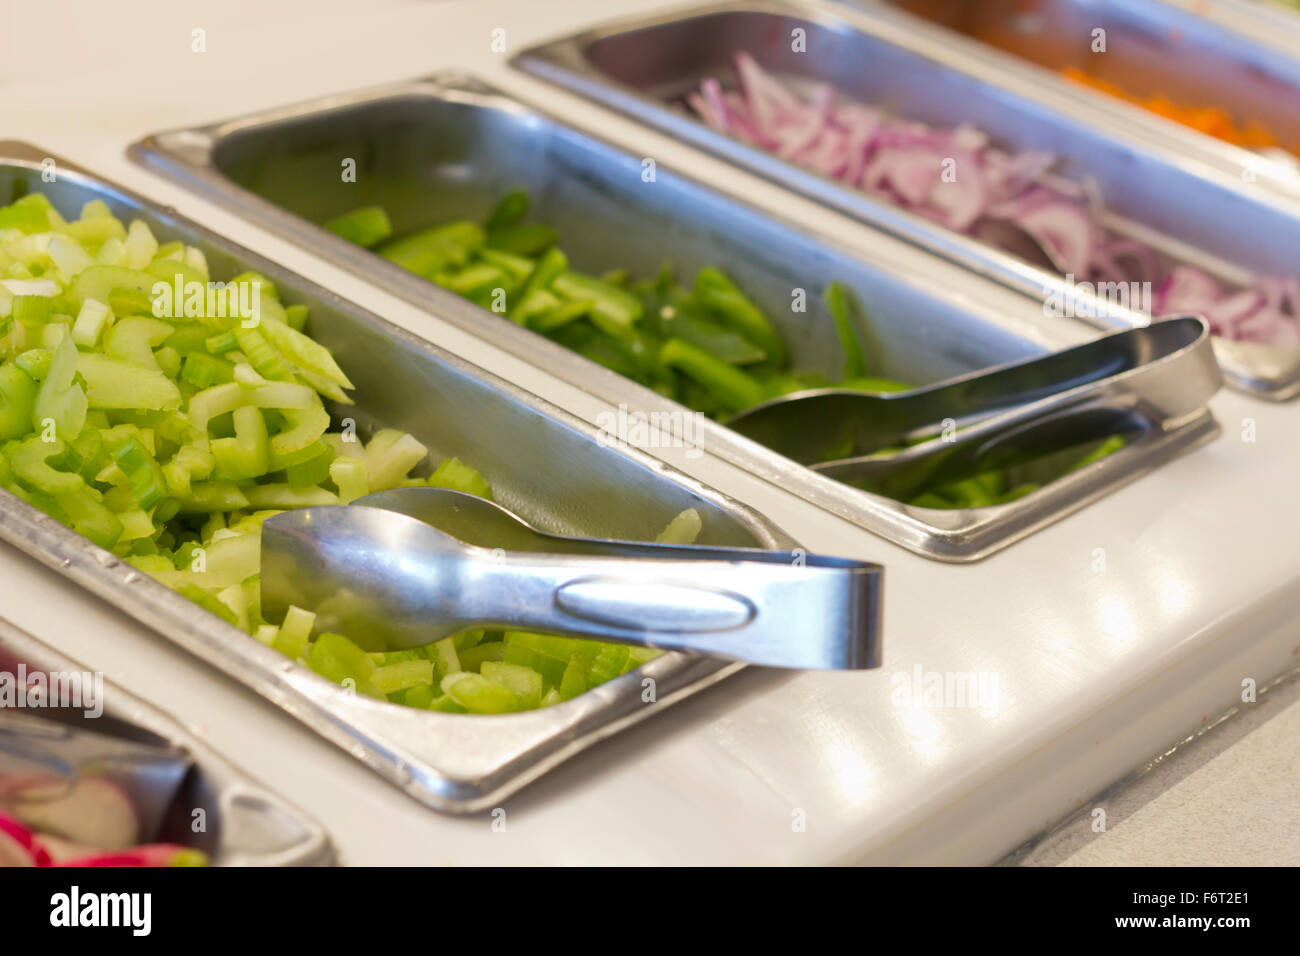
(469, 420)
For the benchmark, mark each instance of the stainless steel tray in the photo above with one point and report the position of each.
(1246, 57)
(544, 464)
(247, 825)
(1198, 211)
(1153, 47)
(447, 146)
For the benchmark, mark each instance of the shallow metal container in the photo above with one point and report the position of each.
(1205, 212)
(245, 824)
(1152, 48)
(448, 146)
(546, 465)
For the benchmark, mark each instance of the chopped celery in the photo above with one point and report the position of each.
(420, 696)
(472, 659)
(304, 428)
(478, 695)
(366, 227)
(351, 477)
(202, 370)
(455, 474)
(574, 679)
(31, 309)
(311, 471)
(336, 658)
(525, 682)
(389, 466)
(607, 664)
(304, 352)
(403, 674)
(281, 497)
(91, 321)
(98, 283)
(17, 401)
(134, 338)
(60, 400)
(247, 455)
(113, 383)
(29, 459)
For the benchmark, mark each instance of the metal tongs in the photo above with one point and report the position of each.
(1164, 371)
(409, 566)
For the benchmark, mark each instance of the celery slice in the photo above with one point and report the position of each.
(336, 658)
(366, 227)
(305, 352)
(478, 695)
(17, 401)
(112, 383)
(525, 682)
(455, 474)
(247, 455)
(59, 399)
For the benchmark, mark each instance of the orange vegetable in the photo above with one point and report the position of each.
(1213, 120)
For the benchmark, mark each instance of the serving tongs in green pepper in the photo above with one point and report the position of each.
(1161, 373)
(410, 566)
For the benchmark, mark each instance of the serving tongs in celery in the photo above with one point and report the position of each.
(414, 565)
(1156, 374)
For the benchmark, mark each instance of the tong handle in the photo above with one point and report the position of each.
(1120, 355)
(762, 612)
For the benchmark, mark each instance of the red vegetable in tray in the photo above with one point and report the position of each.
(21, 845)
(957, 178)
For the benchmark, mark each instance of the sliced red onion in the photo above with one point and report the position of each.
(904, 163)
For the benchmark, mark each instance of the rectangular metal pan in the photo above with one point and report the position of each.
(244, 824)
(1246, 56)
(1208, 213)
(1196, 52)
(448, 146)
(546, 465)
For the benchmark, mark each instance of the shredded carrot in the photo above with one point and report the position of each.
(1212, 120)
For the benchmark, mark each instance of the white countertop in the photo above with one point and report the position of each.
(1097, 670)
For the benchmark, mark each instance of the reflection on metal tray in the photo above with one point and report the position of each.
(1196, 213)
(115, 734)
(447, 147)
(545, 465)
